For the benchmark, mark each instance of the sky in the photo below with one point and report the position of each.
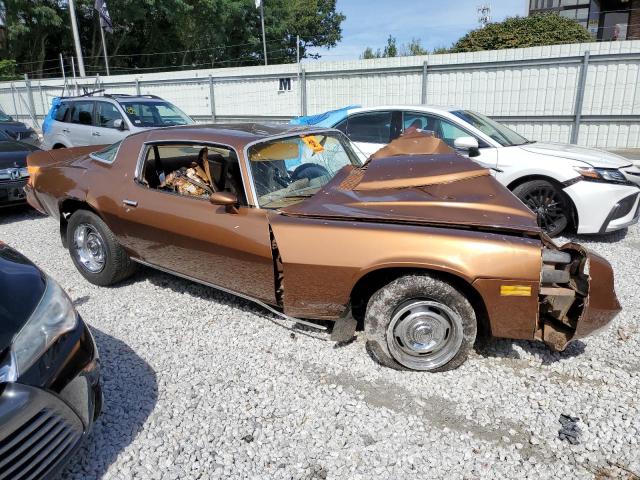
(437, 23)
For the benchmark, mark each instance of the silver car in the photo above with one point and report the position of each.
(92, 120)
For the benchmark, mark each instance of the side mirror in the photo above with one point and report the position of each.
(465, 143)
(468, 144)
(225, 199)
(119, 124)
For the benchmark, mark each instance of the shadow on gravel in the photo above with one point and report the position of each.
(130, 394)
(612, 237)
(503, 348)
(184, 286)
(18, 213)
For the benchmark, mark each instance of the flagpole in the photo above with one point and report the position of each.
(104, 49)
(76, 38)
(264, 38)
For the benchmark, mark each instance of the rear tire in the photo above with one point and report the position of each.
(95, 251)
(419, 322)
(548, 202)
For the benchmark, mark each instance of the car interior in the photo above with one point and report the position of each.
(193, 170)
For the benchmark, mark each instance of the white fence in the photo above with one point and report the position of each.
(582, 93)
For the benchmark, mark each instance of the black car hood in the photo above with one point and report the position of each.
(13, 154)
(22, 285)
(14, 127)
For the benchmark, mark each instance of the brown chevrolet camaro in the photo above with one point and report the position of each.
(420, 247)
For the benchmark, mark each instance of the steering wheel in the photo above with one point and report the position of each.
(309, 171)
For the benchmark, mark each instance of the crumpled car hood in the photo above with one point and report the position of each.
(592, 156)
(443, 189)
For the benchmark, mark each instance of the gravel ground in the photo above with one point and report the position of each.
(199, 384)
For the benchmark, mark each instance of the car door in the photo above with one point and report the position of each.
(448, 131)
(226, 247)
(370, 131)
(80, 126)
(104, 128)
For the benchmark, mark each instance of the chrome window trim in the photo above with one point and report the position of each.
(277, 137)
(147, 144)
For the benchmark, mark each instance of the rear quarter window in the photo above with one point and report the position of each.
(107, 155)
(61, 112)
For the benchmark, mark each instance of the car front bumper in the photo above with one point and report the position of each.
(604, 207)
(594, 304)
(12, 192)
(41, 429)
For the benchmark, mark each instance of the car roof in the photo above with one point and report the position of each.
(423, 108)
(235, 134)
(115, 97)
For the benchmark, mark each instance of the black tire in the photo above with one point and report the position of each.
(548, 202)
(116, 263)
(390, 301)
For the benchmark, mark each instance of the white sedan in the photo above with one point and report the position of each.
(589, 190)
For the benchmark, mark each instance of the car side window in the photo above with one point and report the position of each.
(107, 155)
(192, 170)
(371, 127)
(61, 112)
(443, 129)
(106, 114)
(82, 113)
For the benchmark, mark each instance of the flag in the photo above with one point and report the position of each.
(258, 3)
(105, 18)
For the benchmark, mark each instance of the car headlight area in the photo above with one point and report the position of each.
(50, 393)
(53, 317)
(602, 174)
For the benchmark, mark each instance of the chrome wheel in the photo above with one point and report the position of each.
(424, 335)
(89, 247)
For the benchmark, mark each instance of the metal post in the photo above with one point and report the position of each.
(64, 75)
(76, 37)
(212, 100)
(104, 49)
(44, 107)
(13, 97)
(73, 67)
(582, 80)
(298, 62)
(32, 104)
(137, 87)
(264, 38)
(424, 83)
(303, 92)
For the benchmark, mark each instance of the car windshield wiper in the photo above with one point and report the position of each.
(299, 195)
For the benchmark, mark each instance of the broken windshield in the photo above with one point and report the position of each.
(288, 170)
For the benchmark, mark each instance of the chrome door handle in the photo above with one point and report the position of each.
(66, 130)
(130, 203)
(96, 134)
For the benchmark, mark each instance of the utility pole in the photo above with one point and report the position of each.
(104, 49)
(76, 38)
(484, 15)
(260, 3)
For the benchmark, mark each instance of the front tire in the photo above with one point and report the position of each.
(548, 202)
(419, 322)
(95, 251)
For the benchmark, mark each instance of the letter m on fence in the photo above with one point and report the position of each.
(285, 84)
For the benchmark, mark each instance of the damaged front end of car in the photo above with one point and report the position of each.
(577, 295)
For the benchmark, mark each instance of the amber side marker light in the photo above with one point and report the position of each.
(32, 173)
(515, 291)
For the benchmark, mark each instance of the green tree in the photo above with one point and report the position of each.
(414, 47)
(517, 32)
(154, 35)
